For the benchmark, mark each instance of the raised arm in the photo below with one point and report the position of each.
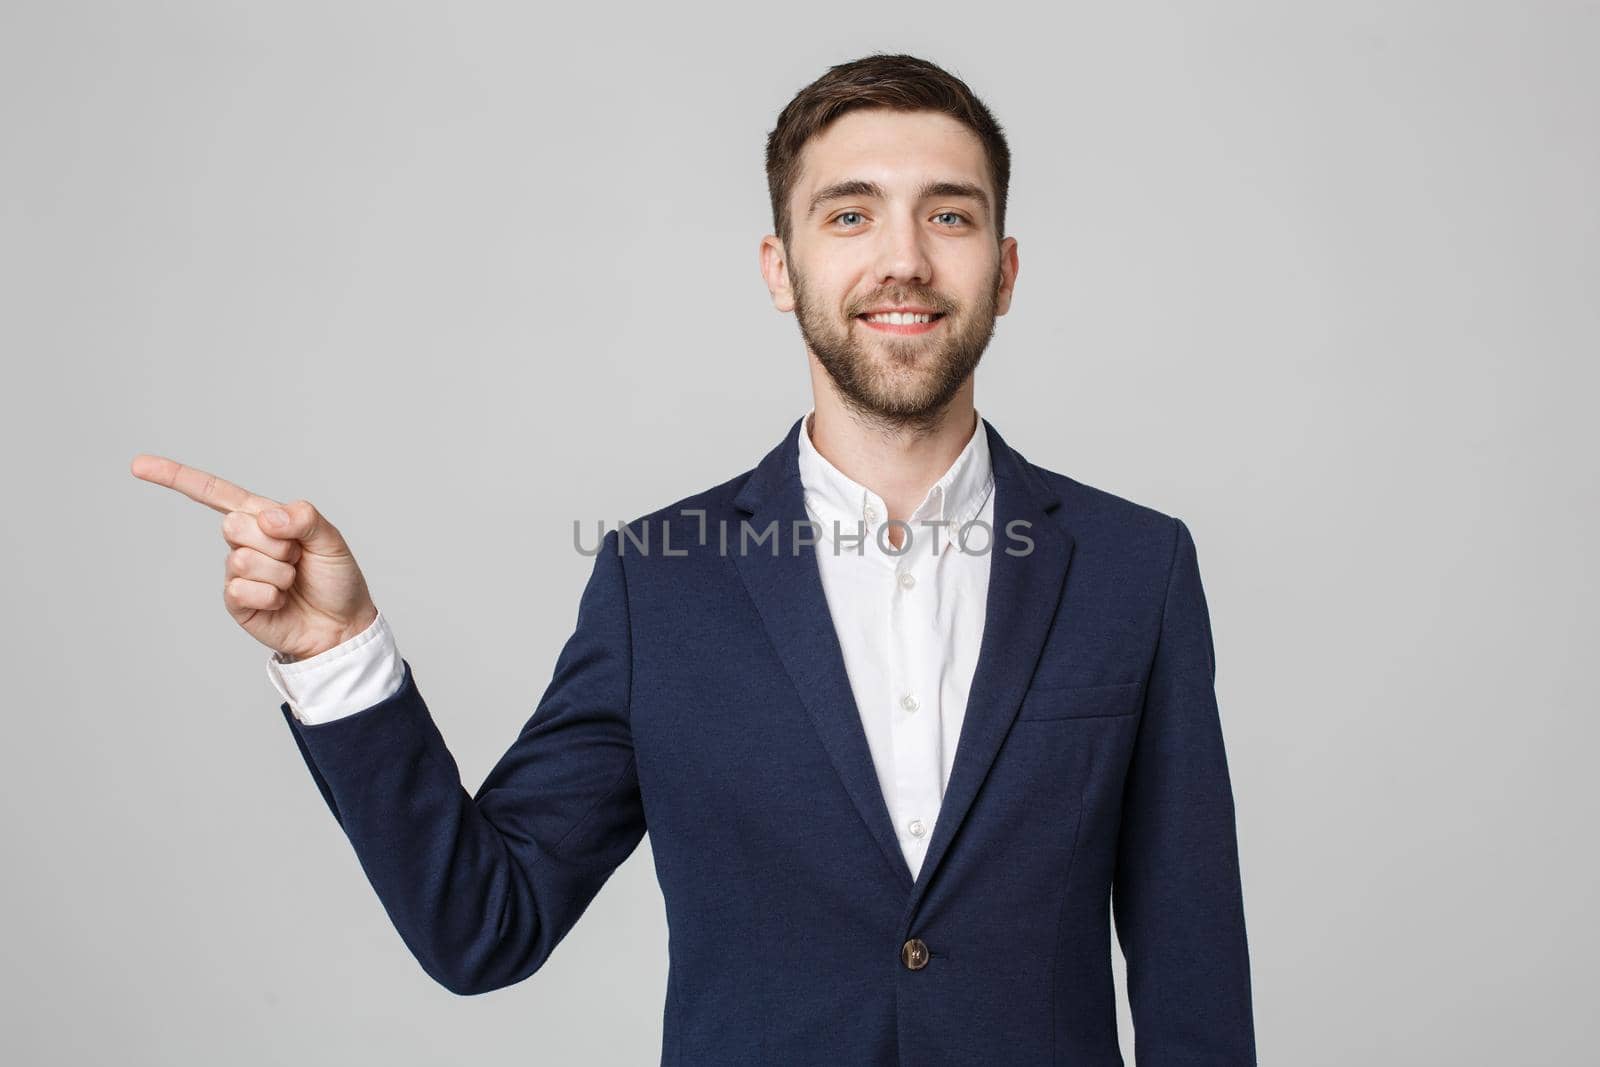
(480, 887)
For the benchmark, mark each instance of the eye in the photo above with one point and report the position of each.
(843, 214)
(954, 215)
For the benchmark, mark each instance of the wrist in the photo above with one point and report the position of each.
(362, 624)
(342, 637)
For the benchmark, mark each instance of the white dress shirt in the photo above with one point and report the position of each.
(909, 623)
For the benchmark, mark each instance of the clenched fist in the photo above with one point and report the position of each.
(290, 579)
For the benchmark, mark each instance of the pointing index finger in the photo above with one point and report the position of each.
(196, 484)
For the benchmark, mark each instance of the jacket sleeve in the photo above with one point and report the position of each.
(482, 888)
(1176, 893)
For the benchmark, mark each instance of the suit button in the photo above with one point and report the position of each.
(914, 954)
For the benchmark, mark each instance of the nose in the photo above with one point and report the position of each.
(902, 254)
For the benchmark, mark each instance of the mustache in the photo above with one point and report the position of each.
(938, 307)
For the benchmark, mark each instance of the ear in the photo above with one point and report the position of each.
(775, 269)
(1008, 275)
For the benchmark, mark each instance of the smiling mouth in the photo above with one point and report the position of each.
(907, 325)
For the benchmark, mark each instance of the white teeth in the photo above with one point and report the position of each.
(898, 318)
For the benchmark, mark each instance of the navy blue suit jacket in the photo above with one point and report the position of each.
(703, 697)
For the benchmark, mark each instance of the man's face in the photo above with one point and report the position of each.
(924, 238)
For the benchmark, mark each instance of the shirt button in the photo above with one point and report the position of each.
(870, 512)
(910, 702)
(916, 828)
(914, 954)
(907, 579)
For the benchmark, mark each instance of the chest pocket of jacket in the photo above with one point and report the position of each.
(1080, 701)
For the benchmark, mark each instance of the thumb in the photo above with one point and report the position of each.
(300, 521)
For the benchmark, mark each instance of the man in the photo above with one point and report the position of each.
(904, 713)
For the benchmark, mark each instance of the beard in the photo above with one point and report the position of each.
(898, 382)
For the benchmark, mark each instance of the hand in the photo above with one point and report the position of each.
(294, 587)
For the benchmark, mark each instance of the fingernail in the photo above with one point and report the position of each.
(277, 517)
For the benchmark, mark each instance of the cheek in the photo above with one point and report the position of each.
(978, 286)
(837, 279)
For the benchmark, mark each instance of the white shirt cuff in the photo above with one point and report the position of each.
(347, 678)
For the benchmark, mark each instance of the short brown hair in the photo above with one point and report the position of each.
(900, 82)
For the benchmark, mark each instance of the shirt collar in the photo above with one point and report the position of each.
(956, 497)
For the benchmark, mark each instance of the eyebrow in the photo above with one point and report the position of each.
(858, 187)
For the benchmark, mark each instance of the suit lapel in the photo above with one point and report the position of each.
(1024, 591)
(787, 590)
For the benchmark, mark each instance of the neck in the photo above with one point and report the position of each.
(899, 463)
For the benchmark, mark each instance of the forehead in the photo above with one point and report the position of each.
(893, 148)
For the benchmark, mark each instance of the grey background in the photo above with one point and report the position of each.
(1319, 279)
